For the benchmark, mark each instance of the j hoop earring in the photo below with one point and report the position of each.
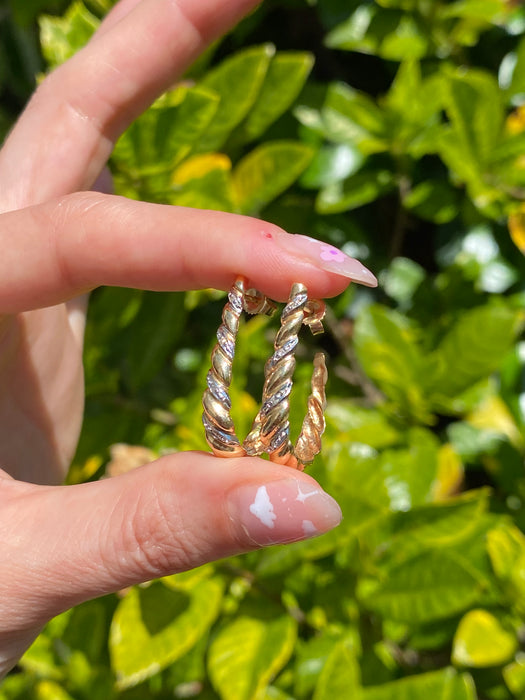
(218, 424)
(270, 431)
(271, 428)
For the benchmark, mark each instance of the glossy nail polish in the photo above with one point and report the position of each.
(283, 511)
(326, 257)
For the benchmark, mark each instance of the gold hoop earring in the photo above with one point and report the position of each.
(271, 428)
(216, 417)
(270, 431)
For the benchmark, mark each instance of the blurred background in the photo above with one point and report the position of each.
(394, 129)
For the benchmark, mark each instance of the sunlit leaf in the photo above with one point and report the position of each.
(48, 690)
(430, 586)
(506, 548)
(61, 37)
(438, 685)
(340, 675)
(517, 230)
(434, 200)
(237, 81)
(514, 675)
(481, 640)
(267, 171)
(474, 347)
(247, 653)
(386, 344)
(154, 626)
(284, 79)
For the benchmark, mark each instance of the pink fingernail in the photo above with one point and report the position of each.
(327, 257)
(283, 511)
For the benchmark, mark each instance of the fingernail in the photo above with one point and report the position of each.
(327, 257)
(283, 511)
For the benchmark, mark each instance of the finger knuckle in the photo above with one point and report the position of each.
(156, 538)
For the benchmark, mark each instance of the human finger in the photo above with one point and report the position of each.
(117, 12)
(66, 133)
(63, 545)
(54, 251)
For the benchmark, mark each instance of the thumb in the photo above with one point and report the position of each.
(66, 544)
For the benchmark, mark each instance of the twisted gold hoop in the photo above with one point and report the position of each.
(270, 432)
(218, 423)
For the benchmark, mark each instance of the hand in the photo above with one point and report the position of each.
(63, 545)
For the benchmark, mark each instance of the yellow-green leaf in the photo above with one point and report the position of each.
(481, 640)
(514, 674)
(154, 626)
(248, 653)
(267, 171)
(340, 676)
(506, 548)
(286, 76)
(49, 690)
(61, 37)
(237, 81)
(437, 685)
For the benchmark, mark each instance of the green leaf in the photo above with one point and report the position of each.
(413, 99)
(154, 626)
(267, 171)
(48, 690)
(340, 676)
(482, 640)
(516, 85)
(387, 348)
(331, 164)
(237, 81)
(438, 525)
(40, 659)
(61, 37)
(431, 585)
(347, 422)
(165, 133)
(203, 182)
(151, 337)
(310, 659)
(506, 548)
(402, 279)
(470, 442)
(473, 102)
(283, 82)
(409, 474)
(514, 675)
(247, 653)
(360, 189)
(361, 492)
(474, 105)
(352, 117)
(391, 34)
(434, 200)
(474, 347)
(438, 685)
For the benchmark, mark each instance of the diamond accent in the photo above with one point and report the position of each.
(235, 299)
(221, 436)
(226, 342)
(282, 351)
(279, 396)
(280, 437)
(297, 301)
(217, 390)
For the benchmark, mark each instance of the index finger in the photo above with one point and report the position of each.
(67, 132)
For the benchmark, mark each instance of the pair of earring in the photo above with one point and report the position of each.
(270, 431)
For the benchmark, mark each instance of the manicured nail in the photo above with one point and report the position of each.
(283, 511)
(327, 257)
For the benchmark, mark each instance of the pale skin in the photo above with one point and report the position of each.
(63, 545)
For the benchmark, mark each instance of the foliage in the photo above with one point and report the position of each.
(403, 145)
